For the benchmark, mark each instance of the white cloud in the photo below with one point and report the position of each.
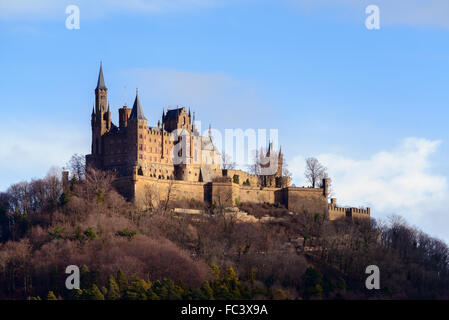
(397, 181)
(29, 151)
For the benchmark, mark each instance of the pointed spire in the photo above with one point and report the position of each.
(270, 147)
(100, 83)
(93, 109)
(136, 112)
(210, 130)
(109, 109)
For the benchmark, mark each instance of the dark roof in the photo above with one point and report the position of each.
(136, 112)
(173, 114)
(100, 83)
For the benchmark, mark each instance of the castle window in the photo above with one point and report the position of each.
(140, 147)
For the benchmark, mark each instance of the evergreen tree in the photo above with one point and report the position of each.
(113, 289)
(122, 281)
(312, 281)
(85, 277)
(95, 293)
(207, 291)
(51, 296)
(137, 289)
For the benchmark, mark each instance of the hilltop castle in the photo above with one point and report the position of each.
(173, 160)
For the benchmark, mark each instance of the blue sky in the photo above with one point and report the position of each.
(371, 105)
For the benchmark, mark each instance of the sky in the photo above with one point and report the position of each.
(371, 105)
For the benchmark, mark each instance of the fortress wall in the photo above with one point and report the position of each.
(336, 213)
(224, 193)
(145, 189)
(357, 213)
(256, 194)
(153, 189)
(309, 200)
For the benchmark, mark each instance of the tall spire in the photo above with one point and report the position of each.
(136, 112)
(100, 83)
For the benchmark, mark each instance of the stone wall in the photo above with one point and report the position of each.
(313, 200)
(336, 212)
(306, 200)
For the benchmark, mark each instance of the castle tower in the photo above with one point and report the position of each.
(101, 115)
(137, 126)
(280, 163)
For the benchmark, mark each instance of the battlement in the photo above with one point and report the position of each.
(336, 212)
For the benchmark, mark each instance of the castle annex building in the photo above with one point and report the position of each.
(172, 160)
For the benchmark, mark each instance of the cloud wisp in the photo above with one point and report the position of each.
(397, 181)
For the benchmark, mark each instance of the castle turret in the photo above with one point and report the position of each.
(101, 116)
(137, 126)
(280, 164)
(123, 114)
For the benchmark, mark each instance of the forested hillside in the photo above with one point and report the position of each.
(127, 253)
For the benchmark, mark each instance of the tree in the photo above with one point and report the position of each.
(315, 172)
(312, 281)
(255, 166)
(226, 162)
(51, 296)
(122, 281)
(113, 289)
(95, 293)
(77, 165)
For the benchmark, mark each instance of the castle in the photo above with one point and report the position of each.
(174, 161)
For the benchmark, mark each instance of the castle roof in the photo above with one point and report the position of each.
(100, 83)
(136, 112)
(173, 114)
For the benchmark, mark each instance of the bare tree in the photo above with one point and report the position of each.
(315, 172)
(77, 165)
(226, 162)
(254, 167)
(285, 171)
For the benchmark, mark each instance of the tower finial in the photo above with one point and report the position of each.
(100, 83)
